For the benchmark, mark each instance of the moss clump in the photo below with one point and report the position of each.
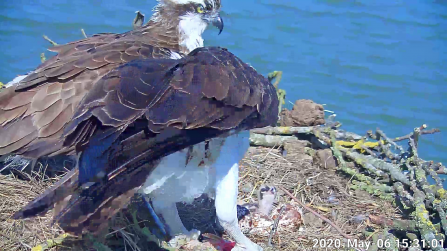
(441, 193)
(423, 218)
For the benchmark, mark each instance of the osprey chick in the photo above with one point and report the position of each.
(263, 215)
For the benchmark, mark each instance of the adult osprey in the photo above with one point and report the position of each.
(145, 111)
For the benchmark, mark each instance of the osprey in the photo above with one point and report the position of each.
(148, 111)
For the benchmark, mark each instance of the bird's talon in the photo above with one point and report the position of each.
(182, 239)
(194, 234)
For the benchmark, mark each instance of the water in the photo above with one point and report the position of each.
(375, 63)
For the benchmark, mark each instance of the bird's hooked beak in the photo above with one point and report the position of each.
(217, 21)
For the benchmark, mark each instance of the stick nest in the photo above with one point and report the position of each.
(325, 190)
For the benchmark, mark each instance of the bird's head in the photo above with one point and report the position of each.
(266, 197)
(191, 17)
(196, 13)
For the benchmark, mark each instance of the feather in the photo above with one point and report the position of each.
(18, 144)
(57, 193)
(48, 115)
(19, 100)
(113, 57)
(42, 101)
(133, 51)
(74, 71)
(54, 88)
(10, 115)
(58, 123)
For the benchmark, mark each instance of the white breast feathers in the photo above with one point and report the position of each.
(191, 28)
(187, 174)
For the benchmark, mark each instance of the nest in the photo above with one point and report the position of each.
(14, 194)
(324, 190)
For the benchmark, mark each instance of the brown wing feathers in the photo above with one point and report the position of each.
(182, 103)
(45, 100)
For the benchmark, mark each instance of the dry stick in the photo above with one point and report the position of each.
(393, 170)
(388, 140)
(360, 160)
(83, 33)
(428, 167)
(42, 57)
(404, 196)
(432, 131)
(49, 40)
(426, 229)
(404, 225)
(440, 169)
(316, 214)
(269, 140)
(366, 149)
(275, 225)
(388, 153)
(283, 130)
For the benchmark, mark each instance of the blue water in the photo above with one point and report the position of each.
(375, 63)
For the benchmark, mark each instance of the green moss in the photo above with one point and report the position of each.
(420, 174)
(423, 218)
(377, 190)
(441, 193)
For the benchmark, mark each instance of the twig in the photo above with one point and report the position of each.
(428, 167)
(432, 131)
(388, 140)
(83, 33)
(384, 149)
(366, 149)
(49, 40)
(414, 151)
(404, 196)
(316, 214)
(275, 225)
(277, 75)
(42, 57)
(440, 169)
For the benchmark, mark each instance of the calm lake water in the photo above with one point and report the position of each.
(375, 63)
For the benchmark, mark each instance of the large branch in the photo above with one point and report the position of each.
(423, 223)
(382, 191)
(269, 140)
(283, 130)
(404, 225)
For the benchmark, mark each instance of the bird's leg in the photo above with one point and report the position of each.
(172, 219)
(226, 209)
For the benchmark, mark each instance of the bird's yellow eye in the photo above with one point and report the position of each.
(200, 9)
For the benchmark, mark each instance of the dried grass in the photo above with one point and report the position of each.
(14, 194)
(325, 190)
